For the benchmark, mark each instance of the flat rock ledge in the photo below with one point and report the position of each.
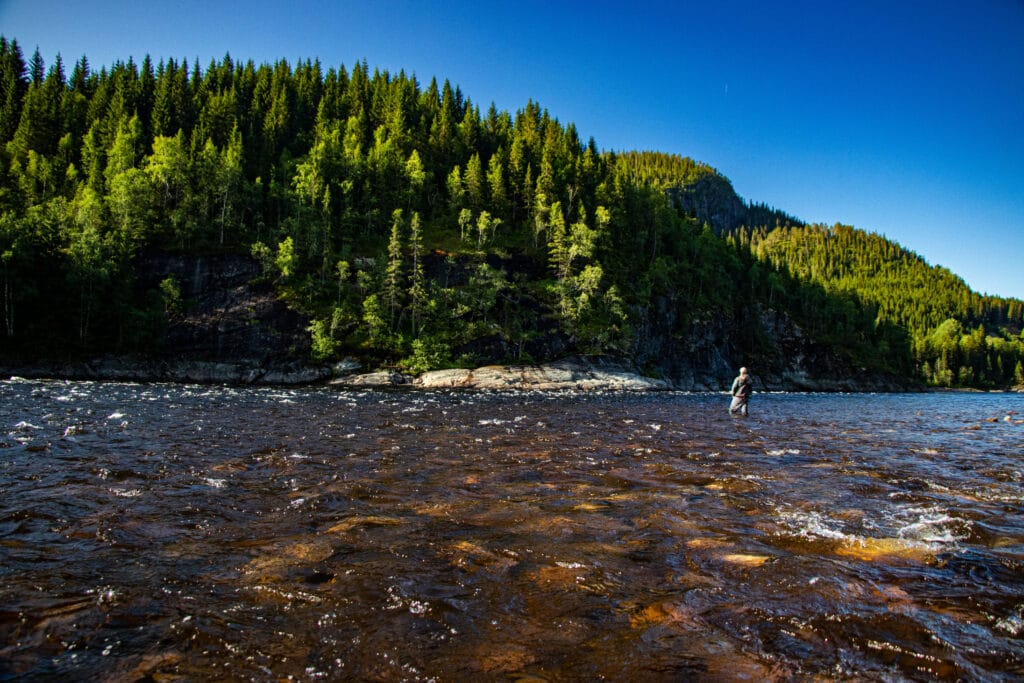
(561, 375)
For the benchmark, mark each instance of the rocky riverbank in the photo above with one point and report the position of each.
(570, 374)
(117, 369)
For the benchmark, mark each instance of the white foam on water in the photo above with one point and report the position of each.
(1001, 496)
(215, 483)
(115, 416)
(1012, 624)
(783, 451)
(397, 601)
(105, 595)
(932, 525)
(289, 596)
(812, 525)
(313, 673)
(570, 565)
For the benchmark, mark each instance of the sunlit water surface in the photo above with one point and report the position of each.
(167, 532)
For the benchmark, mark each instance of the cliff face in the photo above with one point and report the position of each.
(227, 315)
(780, 356)
(712, 200)
(232, 328)
(232, 325)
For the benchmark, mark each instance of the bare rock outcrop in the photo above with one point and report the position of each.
(571, 374)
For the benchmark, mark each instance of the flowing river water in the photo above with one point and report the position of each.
(173, 532)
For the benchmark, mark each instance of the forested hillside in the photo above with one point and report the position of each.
(410, 226)
(960, 338)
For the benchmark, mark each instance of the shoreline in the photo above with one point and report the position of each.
(569, 374)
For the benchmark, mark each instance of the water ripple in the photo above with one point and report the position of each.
(176, 531)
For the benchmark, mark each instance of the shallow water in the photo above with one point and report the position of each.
(168, 532)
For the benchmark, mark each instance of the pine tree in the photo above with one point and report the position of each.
(417, 277)
(558, 243)
(456, 192)
(496, 183)
(416, 178)
(395, 269)
(475, 184)
(13, 87)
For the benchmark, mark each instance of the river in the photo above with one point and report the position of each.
(175, 532)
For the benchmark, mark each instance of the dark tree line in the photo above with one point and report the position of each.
(409, 223)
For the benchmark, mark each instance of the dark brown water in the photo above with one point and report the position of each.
(163, 532)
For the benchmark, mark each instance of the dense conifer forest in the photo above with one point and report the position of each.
(418, 229)
(958, 337)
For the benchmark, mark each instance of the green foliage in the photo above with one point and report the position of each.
(286, 259)
(414, 229)
(663, 171)
(959, 337)
(264, 256)
(323, 346)
(428, 354)
(171, 295)
(375, 318)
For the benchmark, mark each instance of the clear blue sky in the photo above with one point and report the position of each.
(902, 118)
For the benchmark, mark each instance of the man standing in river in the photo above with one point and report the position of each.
(741, 390)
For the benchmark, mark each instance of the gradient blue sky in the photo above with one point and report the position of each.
(902, 118)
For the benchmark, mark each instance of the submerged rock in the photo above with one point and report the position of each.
(872, 549)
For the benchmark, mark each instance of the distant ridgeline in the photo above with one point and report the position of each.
(413, 229)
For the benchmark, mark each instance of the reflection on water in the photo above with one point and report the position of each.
(164, 532)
